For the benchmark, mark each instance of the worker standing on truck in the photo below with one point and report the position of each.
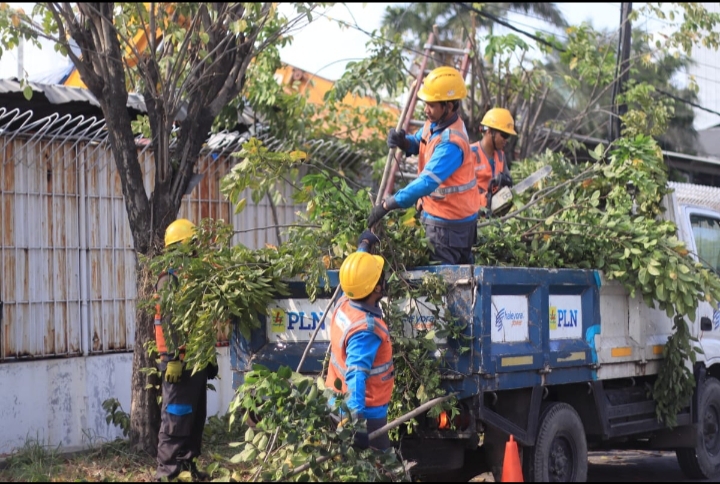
(491, 168)
(361, 357)
(445, 189)
(184, 395)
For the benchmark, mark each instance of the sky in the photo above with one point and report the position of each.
(323, 47)
(311, 50)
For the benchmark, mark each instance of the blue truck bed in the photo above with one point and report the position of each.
(528, 327)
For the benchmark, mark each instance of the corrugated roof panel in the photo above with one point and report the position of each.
(58, 94)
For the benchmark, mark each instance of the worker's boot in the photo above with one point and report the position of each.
(197, 474)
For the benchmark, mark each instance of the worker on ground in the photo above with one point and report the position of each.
(446, 185)
(491, 168)
(360, 350)
(184, 395)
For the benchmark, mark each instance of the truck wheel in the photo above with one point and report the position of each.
(703, 462)
(560, 452)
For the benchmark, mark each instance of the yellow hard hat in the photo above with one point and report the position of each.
(500, 119)
(443, 84)
(360, 273)
(179, 231)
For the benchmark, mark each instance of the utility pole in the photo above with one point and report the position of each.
(622, 73)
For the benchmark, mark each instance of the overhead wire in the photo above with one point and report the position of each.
(561, 49)
(508, 25)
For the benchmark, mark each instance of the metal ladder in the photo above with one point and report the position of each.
(430, 47)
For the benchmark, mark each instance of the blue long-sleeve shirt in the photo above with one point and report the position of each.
(445, 160)
(362, 347)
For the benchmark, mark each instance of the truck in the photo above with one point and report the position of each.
(563, 360)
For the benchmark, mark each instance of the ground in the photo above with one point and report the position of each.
(115, 462)
(111, 462)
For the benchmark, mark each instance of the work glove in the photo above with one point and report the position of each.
(212, 371)
(361, 439)
(376, 214)
(380, 210)
(397, 139)
(173, 373)
(506, 180)
(369, 238)
(499, 181)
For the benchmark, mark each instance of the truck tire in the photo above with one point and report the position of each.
(560, 452)
(703, 462)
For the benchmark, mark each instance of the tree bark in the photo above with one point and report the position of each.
(144, 408)
(145, 387)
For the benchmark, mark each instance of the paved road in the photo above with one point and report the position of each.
(628, 466)
(636, 466)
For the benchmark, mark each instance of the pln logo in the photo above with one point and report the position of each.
(277, 320)
(281, 320)
(563, 318)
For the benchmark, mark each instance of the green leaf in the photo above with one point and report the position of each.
(284, 372)
(27, 92)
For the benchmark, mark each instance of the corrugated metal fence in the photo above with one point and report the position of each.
(67, 284)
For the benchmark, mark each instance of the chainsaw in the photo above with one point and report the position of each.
(501, 200)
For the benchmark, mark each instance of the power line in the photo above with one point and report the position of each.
(506, 24)
(515, 29)
(562, 49)
(695, 105)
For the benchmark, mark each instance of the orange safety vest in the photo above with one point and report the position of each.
(456, 198)
(485, 171)
(159, 335)
(347, 320)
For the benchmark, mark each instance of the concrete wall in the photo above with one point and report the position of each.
(58, 402)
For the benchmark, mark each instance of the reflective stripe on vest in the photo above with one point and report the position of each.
(455, 198)
(348, 320)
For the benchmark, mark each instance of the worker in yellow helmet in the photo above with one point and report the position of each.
(361, 360)
(445, 189)
(491, 168)
(184, 395)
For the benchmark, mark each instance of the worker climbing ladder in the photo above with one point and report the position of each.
(448, 56)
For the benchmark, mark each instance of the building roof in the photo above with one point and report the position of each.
(69, 100)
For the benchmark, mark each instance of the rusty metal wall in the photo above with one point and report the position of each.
(39, 285)
(67, 287)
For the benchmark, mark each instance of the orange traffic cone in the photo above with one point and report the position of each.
(512, 470)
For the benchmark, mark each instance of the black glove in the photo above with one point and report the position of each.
(361, 439)
(505, 180)
(397, 139)
(368, 237)
(376, 214)
(212, 371)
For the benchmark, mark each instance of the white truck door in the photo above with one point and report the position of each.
(705, 244)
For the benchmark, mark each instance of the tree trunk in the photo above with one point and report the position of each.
(144, 408)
